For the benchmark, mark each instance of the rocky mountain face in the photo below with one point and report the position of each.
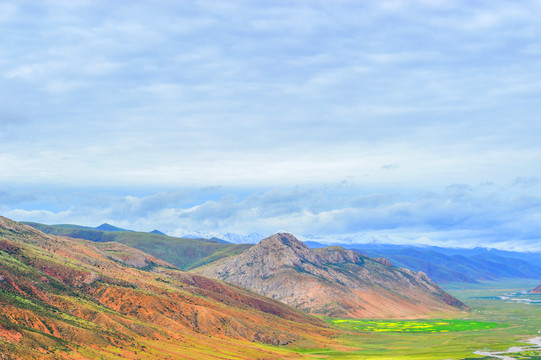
(332, 281)
(65, 298)
(537, 290)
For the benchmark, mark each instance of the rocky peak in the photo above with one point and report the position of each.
(339, 255)
(291, 251)
(283, 249)
(383, 261)
(537, 290)
(332, 281)
(283, 239)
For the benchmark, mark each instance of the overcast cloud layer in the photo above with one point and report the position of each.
(407, 121)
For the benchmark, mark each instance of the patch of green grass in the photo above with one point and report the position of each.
(423, 326)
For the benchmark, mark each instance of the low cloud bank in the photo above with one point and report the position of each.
(462, 215)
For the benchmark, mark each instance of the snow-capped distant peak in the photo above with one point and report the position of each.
(252, 238)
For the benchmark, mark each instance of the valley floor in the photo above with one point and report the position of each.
(517, 320)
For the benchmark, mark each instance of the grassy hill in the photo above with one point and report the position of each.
(183, 253)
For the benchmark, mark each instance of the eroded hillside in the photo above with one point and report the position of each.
(64, 298)
(332, 281)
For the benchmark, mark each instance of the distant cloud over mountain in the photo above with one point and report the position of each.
(501, 216)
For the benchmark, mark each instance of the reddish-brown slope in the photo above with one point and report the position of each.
(332, 281)
(74, 299)
(537, 290)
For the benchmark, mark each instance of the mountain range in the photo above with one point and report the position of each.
(537, 290)
(444, 265)
(251, 238)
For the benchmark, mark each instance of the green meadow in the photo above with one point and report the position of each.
(426, 326)
(492, 325)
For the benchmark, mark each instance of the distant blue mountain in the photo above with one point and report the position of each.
(155, 231)
(454, 264)
(109, 227)
(218, 240)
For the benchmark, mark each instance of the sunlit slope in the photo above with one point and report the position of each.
(332, 281)
(64, 298)
(183, 253)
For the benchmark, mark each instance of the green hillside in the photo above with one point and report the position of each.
(183, 253)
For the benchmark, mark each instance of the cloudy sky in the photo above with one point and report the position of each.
(402, 121)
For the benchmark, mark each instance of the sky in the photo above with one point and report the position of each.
(413, 122)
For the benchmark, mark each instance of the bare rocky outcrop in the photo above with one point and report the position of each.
(383, 261)
(537, 290)
(331, 281)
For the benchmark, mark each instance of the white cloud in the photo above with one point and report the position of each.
(457, 215)
(23, 72)
(272, 95)
(525, 181)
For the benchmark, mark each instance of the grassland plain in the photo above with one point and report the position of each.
(493, 324)
(423, 326)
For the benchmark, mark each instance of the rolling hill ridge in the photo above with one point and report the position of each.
(181, 252)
